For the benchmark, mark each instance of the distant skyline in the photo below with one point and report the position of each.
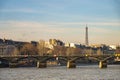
(26, 20)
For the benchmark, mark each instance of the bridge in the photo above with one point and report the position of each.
(41, 61)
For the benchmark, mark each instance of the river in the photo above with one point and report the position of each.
(89, 72)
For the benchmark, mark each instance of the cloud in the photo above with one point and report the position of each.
(90, 23)
(22, 10)
(67, 31)
(57, 27)
(21, 24)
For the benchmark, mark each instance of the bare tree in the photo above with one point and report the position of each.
(11, 50)
(16, 51)
(73, 51)
(118, 50)
(78, 51)
(59, 50)
(41, 48)
(29, 49)
(99, 52)
(69, 51)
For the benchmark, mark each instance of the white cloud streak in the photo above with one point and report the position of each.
(26, 30)
(22, 10)
(90, 23)
(48, 24)
(55, 27)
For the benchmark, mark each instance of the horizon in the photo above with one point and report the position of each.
(29, 20)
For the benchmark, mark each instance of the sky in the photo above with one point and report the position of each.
(28, 20)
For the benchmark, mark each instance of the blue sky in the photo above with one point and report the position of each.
(66, 20)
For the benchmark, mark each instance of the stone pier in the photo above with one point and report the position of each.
(41, 64)
(103, 64)
(71, 64)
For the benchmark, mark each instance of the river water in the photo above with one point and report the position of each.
(89, 72)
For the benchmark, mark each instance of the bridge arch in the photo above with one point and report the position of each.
(26, 61)
(4, 62)
(98, 59)
(27, 58)
(87, 58)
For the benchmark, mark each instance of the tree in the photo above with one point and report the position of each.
(16, 51)
(11, 50)
(99, 51)
(59, 50)
(117, 50)
(41, 48)
(73, 51)
(69, 51)
(78, 51)
(29, 49)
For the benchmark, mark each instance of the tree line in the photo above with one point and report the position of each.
(41, 49)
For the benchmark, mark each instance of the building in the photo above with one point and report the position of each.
(34, 43)
(2, 49)
(8, 46)
(7, 49)
(113, 46)
(56, 42)
(1, 41)
(67, 45)
(73, 45)
(48, 45)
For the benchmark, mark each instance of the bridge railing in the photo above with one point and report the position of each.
(81, 55)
